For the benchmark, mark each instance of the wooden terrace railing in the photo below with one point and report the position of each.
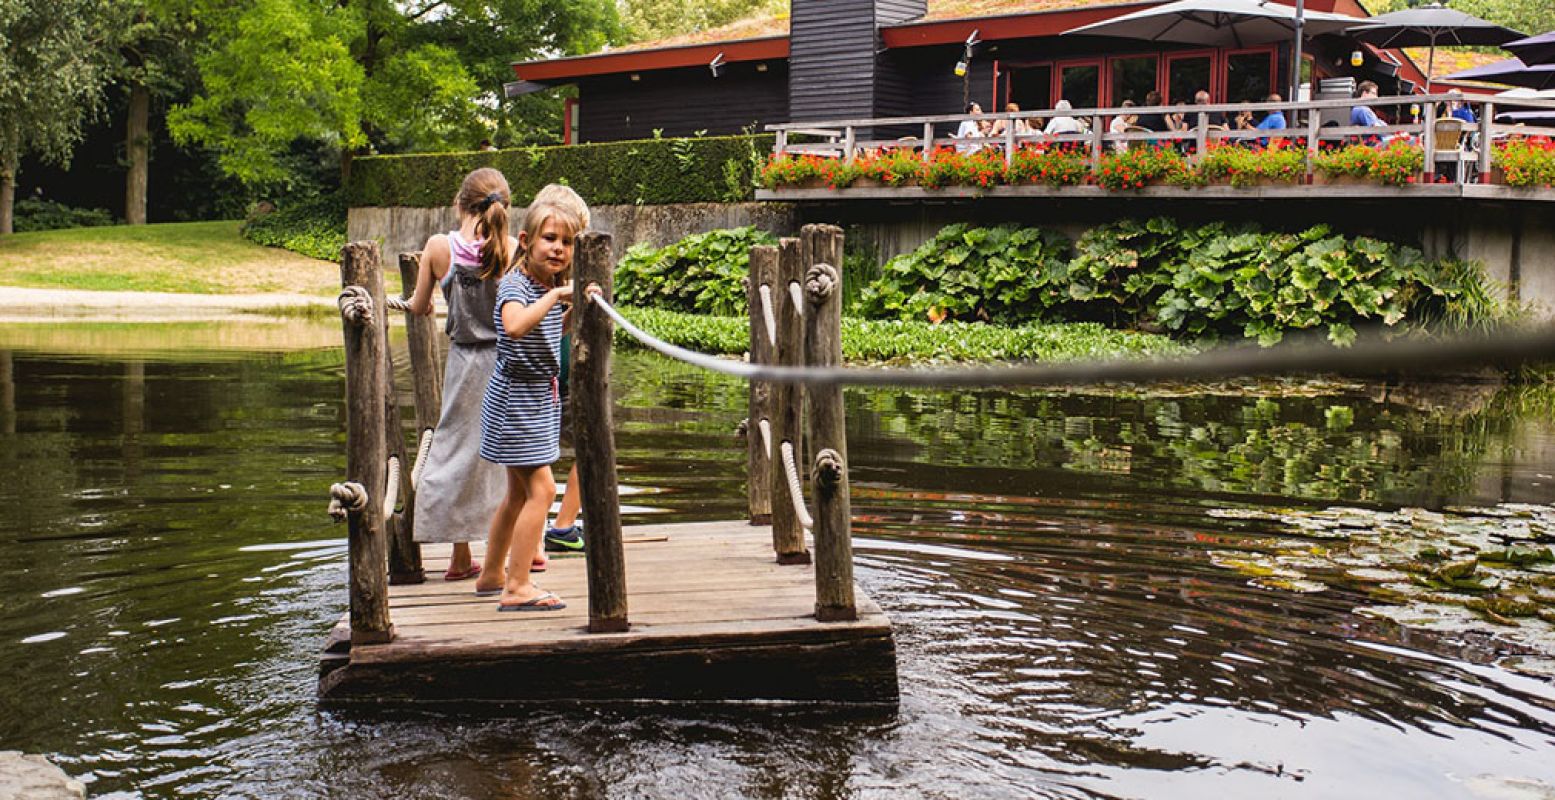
(1305, 124)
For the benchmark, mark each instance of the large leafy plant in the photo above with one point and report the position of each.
(1002, 274)
(699, 273)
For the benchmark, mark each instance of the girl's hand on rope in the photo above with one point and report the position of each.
(592, 290)
(563, 292)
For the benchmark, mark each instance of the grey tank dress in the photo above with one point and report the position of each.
(459, 491)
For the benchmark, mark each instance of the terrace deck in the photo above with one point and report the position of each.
(713, 618)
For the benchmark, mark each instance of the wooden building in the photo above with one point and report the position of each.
(855, 59)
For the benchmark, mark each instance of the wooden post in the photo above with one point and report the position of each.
(781, 145)
(1097, 135)
(1313, 131)
(1428, 143)
(787, 405)
(928, 141)
(1487, 114)
(421, 333)
(426, 364)
(593, 435)
(759, 454)
(828, 433)
(847, 144)
(1200, 137)
(1009, 141)
(366, 445)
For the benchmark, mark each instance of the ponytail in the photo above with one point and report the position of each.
(484, 196)
(496, 250)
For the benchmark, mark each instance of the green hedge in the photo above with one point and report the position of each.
(313, 227)
(710, 169)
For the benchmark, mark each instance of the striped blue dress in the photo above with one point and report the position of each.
(521, 415)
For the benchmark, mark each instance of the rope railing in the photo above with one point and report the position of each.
(1503, 350)
(391, 488)
(422, 450)
(398, 303)
(796, 293)
(767, 316)
(794, 492)
(766, 436)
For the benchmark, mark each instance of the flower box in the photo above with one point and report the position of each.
(1321, 178)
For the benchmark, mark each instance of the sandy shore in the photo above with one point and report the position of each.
(36, 305)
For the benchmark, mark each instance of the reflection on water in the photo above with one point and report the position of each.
(1062, 628)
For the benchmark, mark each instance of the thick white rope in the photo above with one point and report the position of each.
(766, 435)
(345, 498)
(796, 292)
(421, 458)
(794, 491)
(391, 488)
(1505, 348)
(356, 304)
(398, 303)
(766, 313)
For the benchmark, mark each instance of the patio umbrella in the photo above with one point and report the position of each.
(1429, 26)
(1217, 23)
(1511, 72)
(1534, 49)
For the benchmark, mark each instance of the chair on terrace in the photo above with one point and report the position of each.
(1449, 133)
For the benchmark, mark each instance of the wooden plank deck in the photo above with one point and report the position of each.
(713, 617)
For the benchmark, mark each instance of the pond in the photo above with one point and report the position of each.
(1069, 621)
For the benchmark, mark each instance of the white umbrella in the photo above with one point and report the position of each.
(1218, 23)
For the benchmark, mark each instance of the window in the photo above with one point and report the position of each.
(1031, 87)
(1080, 84)
(1186, 75)
(1132, 78)
(1249, 76)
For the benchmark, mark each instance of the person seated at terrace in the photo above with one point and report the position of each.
(1274, 120)
(969, 129)
(1154, 122)
(1064, 123)
(1457, 109)
(1121, 124)
(1364, 116)
(1216, 118)
(1002, 125)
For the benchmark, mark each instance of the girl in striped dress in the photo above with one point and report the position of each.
(521, 413)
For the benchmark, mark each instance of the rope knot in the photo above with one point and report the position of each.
(356, 305)
(345, 498)
(829, 470)
(819, 283)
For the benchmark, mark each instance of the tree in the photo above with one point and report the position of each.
(367, 75)
(51, 80)
(657, 19)
(153, 45)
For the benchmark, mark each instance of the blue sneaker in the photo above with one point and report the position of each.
(565, 540)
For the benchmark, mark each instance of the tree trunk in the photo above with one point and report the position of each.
(7, 194)
(137, 144)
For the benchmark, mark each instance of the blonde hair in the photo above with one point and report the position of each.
(535, 218)
(565, 197)
(484, 195)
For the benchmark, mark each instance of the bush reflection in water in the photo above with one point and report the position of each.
(1062, 628)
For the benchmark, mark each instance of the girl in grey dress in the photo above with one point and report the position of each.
(458, 491)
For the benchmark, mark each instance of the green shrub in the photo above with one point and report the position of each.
(46, 215)
(315, 227)
(700, 273)
(650, 171)
(1004, 274)
(895, 340)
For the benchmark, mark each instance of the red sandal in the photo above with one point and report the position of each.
(473, 571)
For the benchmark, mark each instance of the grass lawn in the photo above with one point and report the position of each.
(194, 257)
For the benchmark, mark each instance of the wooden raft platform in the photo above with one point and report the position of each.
(713, 618)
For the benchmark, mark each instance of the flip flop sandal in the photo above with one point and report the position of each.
(473, 571)
(488, 592)
(536, 603)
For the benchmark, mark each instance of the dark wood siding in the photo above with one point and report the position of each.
(831, 59)
(893, 83)
(679, 102)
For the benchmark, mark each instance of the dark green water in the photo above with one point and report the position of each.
(1062, 629)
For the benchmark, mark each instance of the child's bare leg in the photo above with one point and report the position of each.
(460, 562)
(567, 515)
(538, 489)
(572, 501)
(500, 537)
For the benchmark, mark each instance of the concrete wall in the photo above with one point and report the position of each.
(1515, 240)
(403, 229)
